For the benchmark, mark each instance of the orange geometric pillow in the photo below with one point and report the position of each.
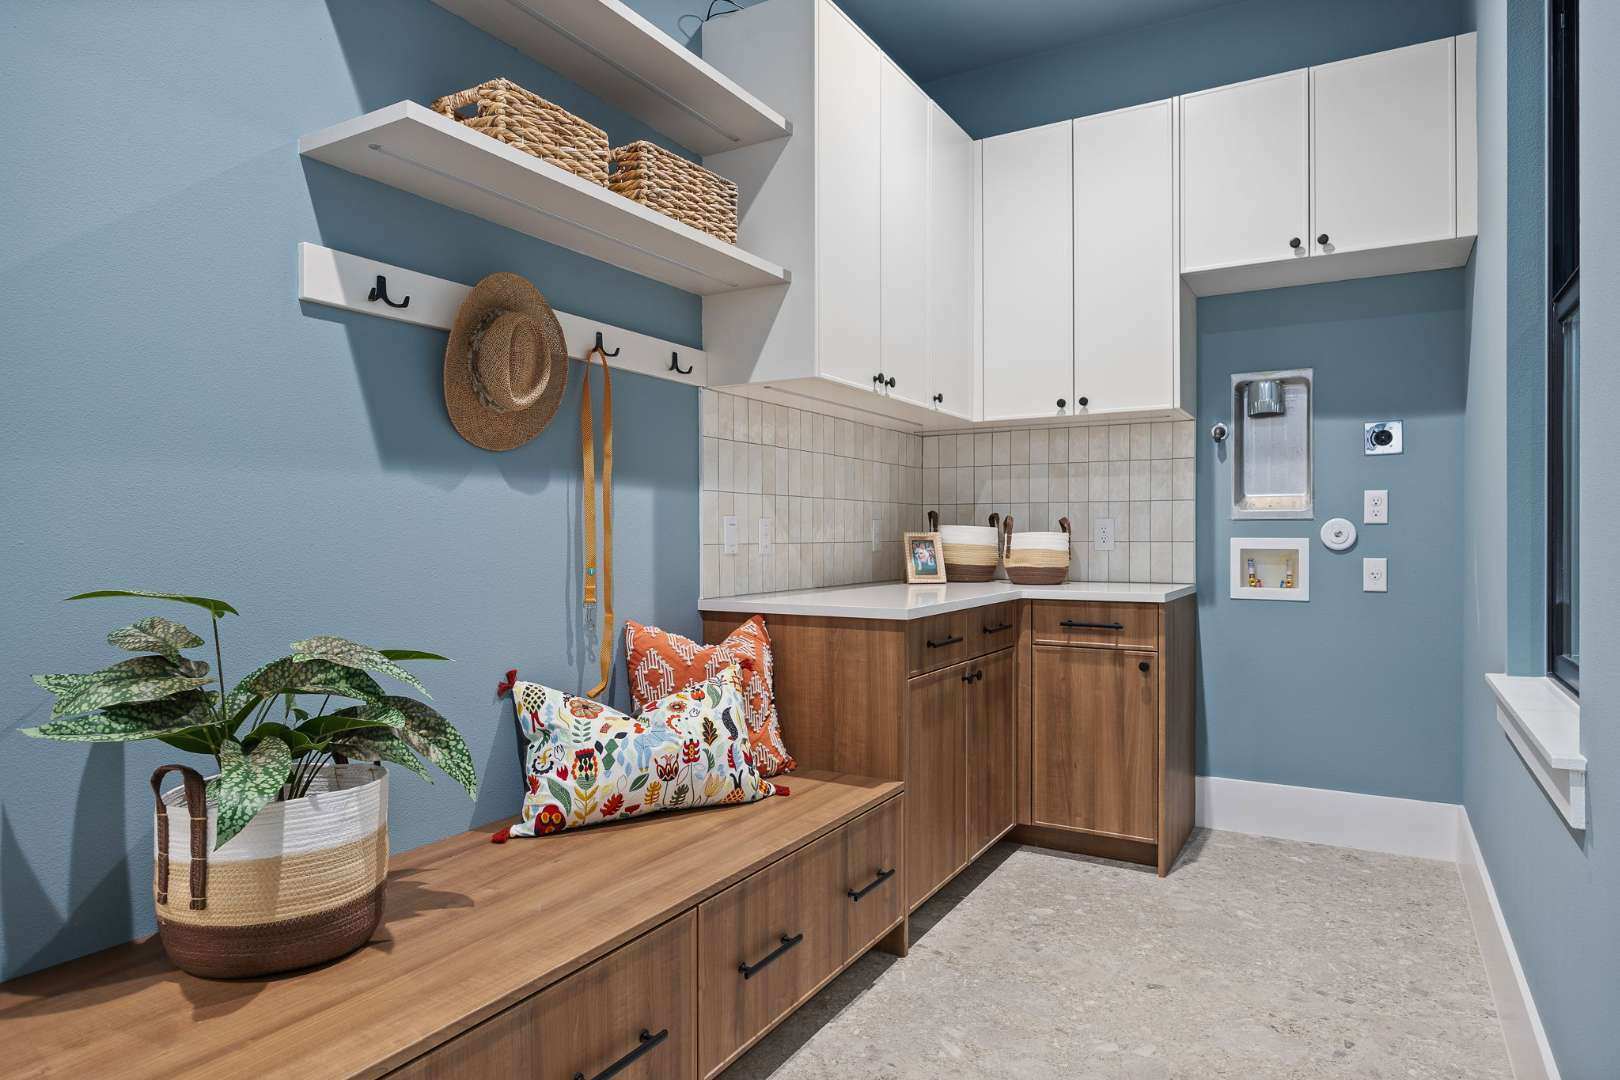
(660, 663)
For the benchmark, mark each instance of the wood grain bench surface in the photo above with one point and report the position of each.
(471, 928)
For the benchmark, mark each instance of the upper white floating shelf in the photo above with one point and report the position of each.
(622, 58)
(413, 148)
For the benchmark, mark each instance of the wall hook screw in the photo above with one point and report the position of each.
(675, 365)
(379, 291)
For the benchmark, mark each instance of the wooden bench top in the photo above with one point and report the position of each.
(471, 928)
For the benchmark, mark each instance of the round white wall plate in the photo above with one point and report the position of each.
(1338, 534)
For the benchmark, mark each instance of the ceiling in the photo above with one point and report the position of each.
(934, 38)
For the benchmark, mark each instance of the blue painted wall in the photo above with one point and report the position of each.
(1350, 690)
(1557, 888)
(174, 420)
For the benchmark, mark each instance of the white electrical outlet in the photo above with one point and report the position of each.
(1102, 536)
(764, 536)
(1375, 575)
(728, 534)
(1375, 507)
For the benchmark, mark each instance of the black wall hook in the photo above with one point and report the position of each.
(599, 346)
(675, 365)
(379, 291)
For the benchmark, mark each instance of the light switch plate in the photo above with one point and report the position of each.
(1102, 536)
(728, 534)
(764, 536)
(877, 524)
(1375, 575)
(1374, 507)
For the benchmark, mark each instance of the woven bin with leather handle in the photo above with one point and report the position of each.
(528, 122)
(646, 173)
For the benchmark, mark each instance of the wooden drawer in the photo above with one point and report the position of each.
(941, 640)
(767, 942)
(1126, 626)
(873, 890)
(992, 628)
(634, 1006)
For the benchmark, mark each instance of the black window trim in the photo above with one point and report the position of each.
(1563, 281)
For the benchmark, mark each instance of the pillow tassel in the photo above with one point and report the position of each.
(501, 835)
(506, 687)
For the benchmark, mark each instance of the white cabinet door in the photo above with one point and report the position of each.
(1028, 212)
(848, 243)
(1383, 135)
(1245, 173)
(904, 223)
(952, 337)
(1126, 285)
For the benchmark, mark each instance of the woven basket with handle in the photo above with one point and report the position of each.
(528, 122)
(971, 551)
(646, 173)
(1037, 558)
(301, 884)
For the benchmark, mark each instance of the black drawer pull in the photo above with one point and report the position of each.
(942, 644)
(1072, 625)
(750, 970)
(649, 1042)
(883, 875)
(998, 629)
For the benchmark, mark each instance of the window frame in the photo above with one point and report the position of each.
(1563, 300)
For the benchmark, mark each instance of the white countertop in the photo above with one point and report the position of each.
(897, 600)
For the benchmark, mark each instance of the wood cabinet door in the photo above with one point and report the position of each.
(952, 300)
(1383, 149)
(874, 881)
(1028, 208)
(1245, 173)
(991, 756)
(1126, 282)
(903, 219)
(1094, 746)
(849, 143)
(936, 825)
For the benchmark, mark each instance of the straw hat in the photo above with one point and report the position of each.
(506, 364)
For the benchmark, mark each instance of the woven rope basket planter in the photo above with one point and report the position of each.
(1037, 558)
(528, 122)
(301, 884)
(646, 173)
(971, 551)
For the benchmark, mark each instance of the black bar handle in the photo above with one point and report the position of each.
(1071, 624)
(998, 629)
(750, 970)
(649, 1043)
(942, 644)
(883, 875)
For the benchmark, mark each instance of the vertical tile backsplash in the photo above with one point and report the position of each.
(819, 480)
(1140, 475)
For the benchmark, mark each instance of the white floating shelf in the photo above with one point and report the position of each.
(413, 148)
(623, 59)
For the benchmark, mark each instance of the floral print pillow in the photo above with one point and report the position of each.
(587, 763)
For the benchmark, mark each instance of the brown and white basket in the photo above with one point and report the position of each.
(646, 173)
(528, 122)
(301, 884)
(971, 551)
(1037, 558)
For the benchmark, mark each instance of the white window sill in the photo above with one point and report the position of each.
(1544, 725)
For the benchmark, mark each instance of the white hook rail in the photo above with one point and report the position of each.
(340, 280)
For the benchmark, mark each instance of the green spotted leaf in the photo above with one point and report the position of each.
(155, 635)
(216, 608)
(380, 746)
(247, 783)
(188, 712)
(305, 677)
(352, 654)
(297, 742)
(436, 739)
(140, 678)
(354, 718)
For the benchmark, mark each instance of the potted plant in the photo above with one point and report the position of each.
(279, 860)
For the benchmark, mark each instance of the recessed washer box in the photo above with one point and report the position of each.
(1271, 568)
(1271, 445)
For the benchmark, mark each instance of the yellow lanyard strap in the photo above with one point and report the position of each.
(588, 445)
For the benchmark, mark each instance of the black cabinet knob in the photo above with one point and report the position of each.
(1323, 239)
(1143, 666)
(1084, 402)
(1063, 403)
(939, 399)
(1294, 243)
(890, 383)
(878, 378)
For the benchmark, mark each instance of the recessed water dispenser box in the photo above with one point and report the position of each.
(1271, 445)
(1271, 568)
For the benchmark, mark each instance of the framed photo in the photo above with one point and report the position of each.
(925, 558)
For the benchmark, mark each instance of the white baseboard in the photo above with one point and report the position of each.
(1527, 1046)
(1427, 830)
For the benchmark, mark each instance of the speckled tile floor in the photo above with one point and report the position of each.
(1254, 959)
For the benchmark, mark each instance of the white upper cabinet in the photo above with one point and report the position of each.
(904, 171)
(1127, 287)
(1383, 146)
(1028, 207)
(953, 305)
(1245, 173)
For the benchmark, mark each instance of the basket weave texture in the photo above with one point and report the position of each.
(646, 173)
(528, 122)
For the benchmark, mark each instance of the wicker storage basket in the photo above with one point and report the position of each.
(646, 173)
(301, 884)
(528, 122)
(971, 551)
(1037, 558)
